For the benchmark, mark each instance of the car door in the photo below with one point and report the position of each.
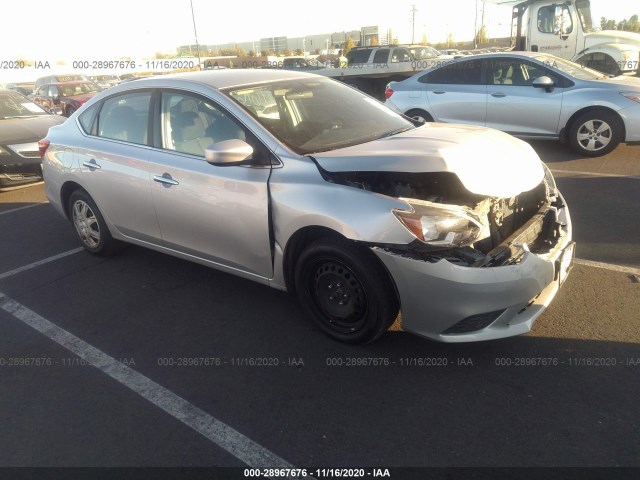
(456, 92)
(514, 105)
(113, 161)
(216, 213)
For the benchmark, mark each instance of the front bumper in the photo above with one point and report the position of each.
(452, 303)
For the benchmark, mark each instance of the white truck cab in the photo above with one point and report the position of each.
(566, 29)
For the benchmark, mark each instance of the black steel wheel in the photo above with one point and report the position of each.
(345, 289)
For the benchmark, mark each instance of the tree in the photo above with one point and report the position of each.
(252, 53)
(287, 52)
(374, 41)
(268, 53)
(450, 40)
(298, 51)
(481, 36)
(395, 41)
(348, 45)
(424, 39)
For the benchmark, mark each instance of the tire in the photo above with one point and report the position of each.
(89, 224)
(595, 133)
(418, 114)
(345, 290)
(70, 111)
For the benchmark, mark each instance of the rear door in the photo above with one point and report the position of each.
(456, 92)
(114, 164)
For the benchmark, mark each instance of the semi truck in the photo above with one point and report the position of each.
(566, 29)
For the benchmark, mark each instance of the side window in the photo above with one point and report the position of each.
(189, 124)
(358, 56)
(87, 118)
(400, 55)
(549, 22)
(125, 117)
(381, 56)
(516, 72)
(52, 91)
(457, 73)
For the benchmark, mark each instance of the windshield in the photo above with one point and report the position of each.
(13, 105)
(584, 13)
(78, 89)
(570, 68)
(315, 115)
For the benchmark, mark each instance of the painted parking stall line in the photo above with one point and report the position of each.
(15, 271)
(238, 445)
(22, 208)
(608, 266)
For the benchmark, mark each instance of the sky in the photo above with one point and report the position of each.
(111, 29)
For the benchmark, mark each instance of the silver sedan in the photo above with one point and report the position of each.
(307, 185)
(530, 95)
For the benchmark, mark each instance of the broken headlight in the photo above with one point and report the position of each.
(440, 226)
(552, 190)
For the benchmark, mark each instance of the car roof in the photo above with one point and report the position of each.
(221, 79)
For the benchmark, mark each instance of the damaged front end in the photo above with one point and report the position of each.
(481, 267)
(464, 228)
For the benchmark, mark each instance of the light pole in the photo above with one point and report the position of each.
(193, 18)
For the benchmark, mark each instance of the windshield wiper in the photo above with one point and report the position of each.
(395, 132)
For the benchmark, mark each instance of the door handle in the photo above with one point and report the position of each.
(165, 179)
(439, 92)
(498, 94)
(91, 164)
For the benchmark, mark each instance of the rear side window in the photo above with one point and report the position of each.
(381, 56)
(458, 73)
(87, 118)
(358, 56)
(125, 117)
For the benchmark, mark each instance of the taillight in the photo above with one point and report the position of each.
(42, 147)
(388, 92)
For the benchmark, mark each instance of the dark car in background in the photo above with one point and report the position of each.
(22, 124)
(65, 98)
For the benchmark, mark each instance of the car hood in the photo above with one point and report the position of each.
(611, 36)
(488, 162)
(28, 129)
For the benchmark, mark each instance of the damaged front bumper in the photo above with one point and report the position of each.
(450, 302)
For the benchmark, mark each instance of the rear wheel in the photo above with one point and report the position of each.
(595, 133)
(419, 114)
(345, 290)
(90, 225)
(70, 111)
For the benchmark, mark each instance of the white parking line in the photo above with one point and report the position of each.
(39, 262)
(213, 429)
(19, 187)
(23, 208)
(608, 266)
(595, 174)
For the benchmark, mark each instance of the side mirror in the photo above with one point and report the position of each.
(228, 152)
(544, 82)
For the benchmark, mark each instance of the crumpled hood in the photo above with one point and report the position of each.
(488, 162)
(611, 36)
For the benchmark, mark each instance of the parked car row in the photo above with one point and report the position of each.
(529, 95)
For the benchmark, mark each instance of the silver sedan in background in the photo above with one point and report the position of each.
(302, 183)
(530, 95)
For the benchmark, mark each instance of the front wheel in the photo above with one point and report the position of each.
(70, 111)
(90, 226)
(345, 290)
(595, 133)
